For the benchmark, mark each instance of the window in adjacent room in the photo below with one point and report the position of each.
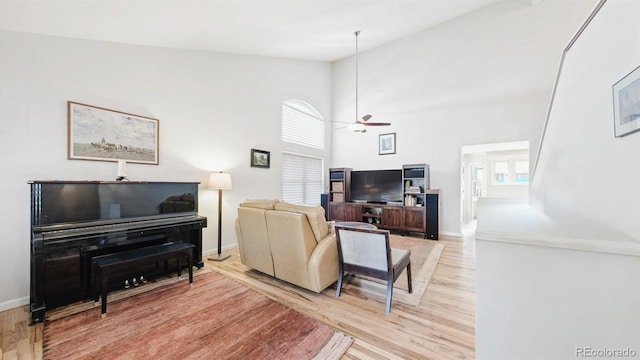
(501, 172)
(497, 170)
(303, 168)
(510, 172)
(521, 171)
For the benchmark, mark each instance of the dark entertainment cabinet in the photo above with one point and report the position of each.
(417, 213)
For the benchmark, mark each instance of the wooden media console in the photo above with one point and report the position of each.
(415, 211)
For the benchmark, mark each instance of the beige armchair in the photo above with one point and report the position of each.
(289, 242)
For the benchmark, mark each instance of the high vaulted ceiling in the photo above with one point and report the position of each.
(319, 30)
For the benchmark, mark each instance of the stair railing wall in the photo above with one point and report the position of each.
(555, 85)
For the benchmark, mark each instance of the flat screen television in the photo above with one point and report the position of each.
(377, 186)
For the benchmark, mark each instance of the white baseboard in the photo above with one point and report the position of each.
(14, 303)
(451, 234)
(206, 253)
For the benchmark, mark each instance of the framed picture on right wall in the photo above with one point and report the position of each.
(626, 104)
(387, 144)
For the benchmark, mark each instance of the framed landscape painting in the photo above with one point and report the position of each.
(260, 158)
(626, 104)
(100, 134)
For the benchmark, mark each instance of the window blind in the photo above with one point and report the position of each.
(302, 179)
(301, 124)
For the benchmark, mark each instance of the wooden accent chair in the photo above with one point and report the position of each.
(367, 252)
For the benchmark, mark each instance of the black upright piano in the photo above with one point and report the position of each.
(74, 221)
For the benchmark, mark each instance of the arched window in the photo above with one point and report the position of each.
(302, 124)
(302, 174)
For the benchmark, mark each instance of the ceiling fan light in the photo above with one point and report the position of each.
(359, 127)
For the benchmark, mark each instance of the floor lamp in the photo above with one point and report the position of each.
(220, 181)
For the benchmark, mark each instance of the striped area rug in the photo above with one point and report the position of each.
(215, 318)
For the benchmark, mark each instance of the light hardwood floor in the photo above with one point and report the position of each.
(441, 327)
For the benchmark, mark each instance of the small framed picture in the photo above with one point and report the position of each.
(387, 144)
(260, 158)
(626, 104)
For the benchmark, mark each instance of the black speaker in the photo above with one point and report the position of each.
(324, 202)
(432, 217)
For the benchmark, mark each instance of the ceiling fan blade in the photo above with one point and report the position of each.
(373, 123)
(353, 126)
(367, 117)
(342, 122)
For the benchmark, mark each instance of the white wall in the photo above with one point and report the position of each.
(213, 108)
(562, 272)
(482, 78)
(537, 302)
(585, 174)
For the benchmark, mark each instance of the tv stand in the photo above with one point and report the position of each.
(383, 216)
(419, 213)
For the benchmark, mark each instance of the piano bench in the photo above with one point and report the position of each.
(105, 264)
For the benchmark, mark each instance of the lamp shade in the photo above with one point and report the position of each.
(219, 181)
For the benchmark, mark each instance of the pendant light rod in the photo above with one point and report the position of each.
(356, 35)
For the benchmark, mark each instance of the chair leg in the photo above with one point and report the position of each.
(409, 277)
(389, 294)
(339, 287)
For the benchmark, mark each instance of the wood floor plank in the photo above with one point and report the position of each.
(442, 326)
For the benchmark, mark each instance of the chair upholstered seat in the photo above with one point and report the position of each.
(367, 252)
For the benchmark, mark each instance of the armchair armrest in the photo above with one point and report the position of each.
(323, 263)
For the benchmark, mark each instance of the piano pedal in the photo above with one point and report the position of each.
(126, 284)
(135, 282)
(143, 280)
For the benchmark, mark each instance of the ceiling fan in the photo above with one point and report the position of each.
(361, 123)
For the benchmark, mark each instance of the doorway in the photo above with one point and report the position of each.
(499, 170)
